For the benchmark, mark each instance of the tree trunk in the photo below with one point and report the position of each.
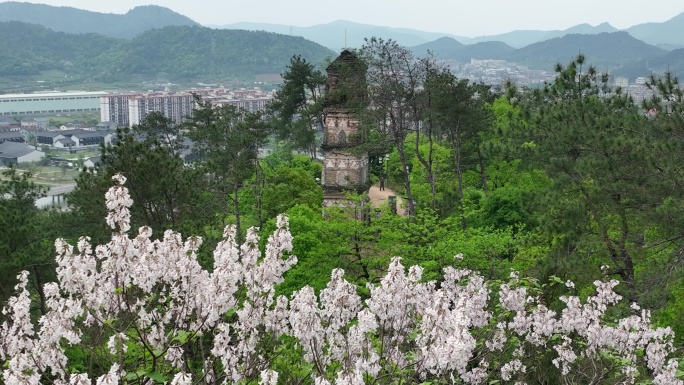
(407, 177)
(236, 212)
(259, 183)
(483, 173)
(39, 289)
(427, 163)
(456, 144)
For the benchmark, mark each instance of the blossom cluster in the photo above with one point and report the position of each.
(155, 307)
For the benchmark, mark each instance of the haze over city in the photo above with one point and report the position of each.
(460, 18)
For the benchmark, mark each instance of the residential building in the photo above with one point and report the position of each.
(72, 138)
(92, 161)
(88, 138)
(64, 142)
(29, 132)
(114, 108)
(127, 110)
(47, 137)
(622, 82)
(12, 136)
(9, 124)
(36, 123)
(641, 80)
(251, 100)
(175, 106)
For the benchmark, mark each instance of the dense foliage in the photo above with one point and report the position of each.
(148, 312)
(31, 49)
(174, 52)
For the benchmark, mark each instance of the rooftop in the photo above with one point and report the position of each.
(15, 150)
(53, 94)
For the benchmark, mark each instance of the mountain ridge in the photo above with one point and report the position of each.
(335, 35)
(73, 20)
(649, 32)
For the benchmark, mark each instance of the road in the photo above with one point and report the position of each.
(378, 197)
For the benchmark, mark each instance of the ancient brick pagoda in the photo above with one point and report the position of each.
(344, 170)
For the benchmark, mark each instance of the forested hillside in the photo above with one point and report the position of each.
(672, 61)
(186, 52)
(31, 49)
(176, 52)
(73, 20)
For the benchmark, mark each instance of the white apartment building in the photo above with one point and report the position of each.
(114, 108)
(175, 106)
(622, 82)
(251, 100)
(131, 108)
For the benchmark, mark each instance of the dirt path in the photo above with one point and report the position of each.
(378, 198)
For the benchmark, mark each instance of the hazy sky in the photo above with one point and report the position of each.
(466, 18)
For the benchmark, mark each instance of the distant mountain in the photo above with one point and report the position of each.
(608, 51)
(516, 39)
(670, 32)
(522, 38)
(486, 50)
(447, 48)
(334, 34)
(582, 29)
(667, 35)
(174, 53)
(73, 20)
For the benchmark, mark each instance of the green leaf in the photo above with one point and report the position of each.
(155, 376)
(182, 337)
(135, 376)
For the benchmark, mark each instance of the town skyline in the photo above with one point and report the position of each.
(470, 20)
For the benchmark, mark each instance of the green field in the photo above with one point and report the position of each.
(50, 175)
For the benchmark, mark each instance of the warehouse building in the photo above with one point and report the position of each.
(50, 103)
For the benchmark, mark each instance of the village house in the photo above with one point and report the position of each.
(15, 153)
(40, 123)
(11, 136)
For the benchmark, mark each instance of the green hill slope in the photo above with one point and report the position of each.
(176, 52)
(447, 48)
(185, 52)
(31, 49)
